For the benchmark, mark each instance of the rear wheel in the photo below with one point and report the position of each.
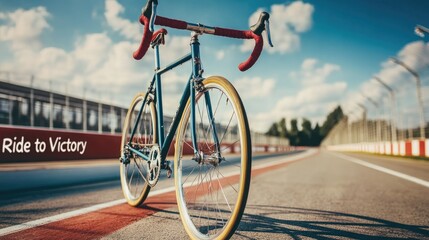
(212, 187)
(134, 170)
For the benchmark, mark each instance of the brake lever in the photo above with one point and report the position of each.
(267, 28)
(152, 17)
(263, 24)
(149, 11)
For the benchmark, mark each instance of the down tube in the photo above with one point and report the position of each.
(168, 140)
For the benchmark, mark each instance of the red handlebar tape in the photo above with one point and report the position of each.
(147, 36)
(225, 32)
(168, 22)
(259, 43)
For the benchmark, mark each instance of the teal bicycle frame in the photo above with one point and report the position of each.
(193, 85)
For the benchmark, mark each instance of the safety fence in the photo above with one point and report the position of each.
(376, 137)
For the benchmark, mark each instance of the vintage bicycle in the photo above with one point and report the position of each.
(212, 145)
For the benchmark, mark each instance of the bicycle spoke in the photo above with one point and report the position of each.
(185, 142)
(131, 179)
(227, 181)
(189, 175)
(193, 181)
(211, 121)
(140, 171)
(224, 196)
(201, 118)
(218, 103)
(217, 200)
(226, 130)
(230, 145)
(205, 133)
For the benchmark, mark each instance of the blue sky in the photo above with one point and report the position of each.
(325, 53)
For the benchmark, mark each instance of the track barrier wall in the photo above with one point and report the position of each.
(38, 124)
(26, 144)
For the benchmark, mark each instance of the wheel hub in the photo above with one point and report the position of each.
(214, 159)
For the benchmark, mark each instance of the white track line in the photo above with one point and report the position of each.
(62, 216)
(292, 158)
(385, 170)
(43, 221)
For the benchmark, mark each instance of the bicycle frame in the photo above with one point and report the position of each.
(192, 86)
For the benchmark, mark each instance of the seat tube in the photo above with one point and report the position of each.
(159, 112)
(196, 75)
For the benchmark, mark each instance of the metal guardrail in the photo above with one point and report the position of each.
(370, 131)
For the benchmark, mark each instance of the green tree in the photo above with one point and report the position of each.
(293, 133)
(316, 137)
(331, 120)
(304, 135)
(307, 136)
(294, 126)
(282, 128)
(306, 126)
(273, 130)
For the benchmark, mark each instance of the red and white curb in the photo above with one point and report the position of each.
(410, 148)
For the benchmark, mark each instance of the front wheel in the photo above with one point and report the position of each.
(212, 185)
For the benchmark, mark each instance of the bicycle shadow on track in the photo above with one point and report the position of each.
(320, 224)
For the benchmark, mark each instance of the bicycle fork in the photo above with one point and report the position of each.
(196, 85)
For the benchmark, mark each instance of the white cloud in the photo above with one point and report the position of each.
(311, 75)
(21, 31)
(125, 27)
(416, 56)
(255, 87)
(316, 98)
(175, 46)
(96, 61)
(54, 63)
(24, 24)
(117, 69)
(286, 23)
(92, 50)
(220, 55)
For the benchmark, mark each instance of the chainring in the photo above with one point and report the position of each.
(154, 166)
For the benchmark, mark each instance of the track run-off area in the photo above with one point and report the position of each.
(305, 194)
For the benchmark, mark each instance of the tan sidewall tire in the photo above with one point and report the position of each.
(246, 155)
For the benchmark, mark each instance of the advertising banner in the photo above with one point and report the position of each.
(34, 144)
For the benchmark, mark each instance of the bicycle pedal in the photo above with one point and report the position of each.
(124, 161)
